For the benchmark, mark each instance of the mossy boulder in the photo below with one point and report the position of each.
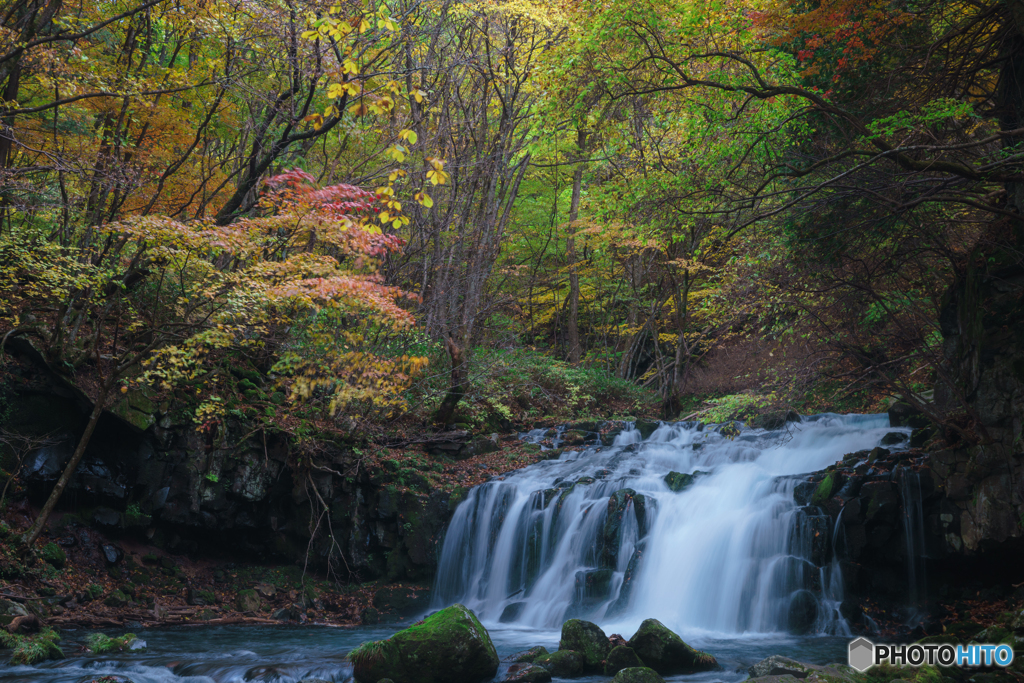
(527, 656)
(527, 673)
(450, 646)
(116, 599)
(247, 601)
(621, 657)
(53, 554)
(666, 653)
(588, 640)
(638, 674)
(562, 664)
(678, 481)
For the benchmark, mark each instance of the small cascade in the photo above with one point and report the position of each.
(909, 483)
(692, 526)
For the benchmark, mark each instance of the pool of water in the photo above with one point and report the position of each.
(281, 654)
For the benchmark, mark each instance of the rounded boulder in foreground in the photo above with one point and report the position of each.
(450, 646)
(666, 653)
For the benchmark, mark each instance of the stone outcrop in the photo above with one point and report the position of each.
(148, 470)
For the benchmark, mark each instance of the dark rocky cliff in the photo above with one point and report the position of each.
(238, 491)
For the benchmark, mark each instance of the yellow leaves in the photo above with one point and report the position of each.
(397, 152)
(396, 174)
(388, 24)
(359, 109)
(408, 135)
(419, 95)
(436, 174)
(350, 67)
(424, 199)
(382, 105)
(315, 119)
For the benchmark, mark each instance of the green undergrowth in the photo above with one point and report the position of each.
(32, 649)
(102, 644)
(510, 387)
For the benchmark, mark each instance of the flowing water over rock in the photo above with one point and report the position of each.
(619, 534)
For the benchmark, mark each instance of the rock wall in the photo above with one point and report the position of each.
(239, 492)
(912, 529)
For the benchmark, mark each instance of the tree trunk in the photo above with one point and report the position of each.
(457, 388)
(573, 324)
(69, 470)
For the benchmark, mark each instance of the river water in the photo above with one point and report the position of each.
(597, 534)
(281, 654)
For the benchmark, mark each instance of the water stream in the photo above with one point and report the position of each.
(601, 534)
(284, 654)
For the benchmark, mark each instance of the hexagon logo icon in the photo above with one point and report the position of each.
(862, 654)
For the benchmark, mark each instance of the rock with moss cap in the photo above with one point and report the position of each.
(588, 640)
(666, 653)
(247, 601)
(450, 646)
(563, 664)
(619, 658)
(638, 674)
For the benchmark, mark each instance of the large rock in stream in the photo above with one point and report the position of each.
(666, 653)
(588, 640)
(450, 646)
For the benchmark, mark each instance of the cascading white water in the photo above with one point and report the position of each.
(601, 535)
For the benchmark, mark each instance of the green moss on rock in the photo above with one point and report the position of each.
(53, 554)
(823, 492)
(588, 640)
(562, 664)
(247, 601)
(666, 653)
(450, 646)
(116, 599)
(621, 657)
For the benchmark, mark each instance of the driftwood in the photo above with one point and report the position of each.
(29, 623)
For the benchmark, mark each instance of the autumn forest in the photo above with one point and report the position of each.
(355, 232)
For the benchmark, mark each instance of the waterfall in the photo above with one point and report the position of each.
(909, 483)
(620, 533)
